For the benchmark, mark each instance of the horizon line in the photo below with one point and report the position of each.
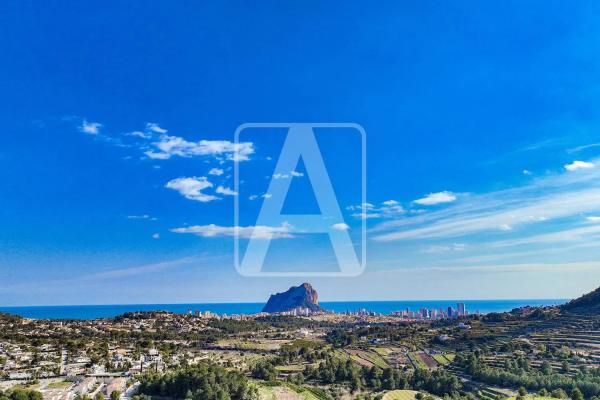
(264, 302)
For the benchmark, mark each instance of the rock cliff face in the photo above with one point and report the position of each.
(297, 296)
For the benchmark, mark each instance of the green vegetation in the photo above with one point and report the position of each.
(444, 359)
(525, 354)
(520, 374)
(416, 360)
(400, 395)
(204, 381)
(264, 370)
(20, 394)
(60, 385)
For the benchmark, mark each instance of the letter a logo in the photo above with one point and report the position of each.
(300, 143)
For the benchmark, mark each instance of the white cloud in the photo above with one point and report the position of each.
(387, 209)
(575, 165)
(436, 198)
(550, 199)
(140, 134)
(91, 128)
(361, 207)
(226, 191)
(216, 171)
(142, 216)
(459, 246)
(258, 232)
(156, 236)
(169, 146)
(527, 172)
(366, 215)
(161, 146)
(593, 218)
(433, 249)
(570, 234)
(151, 126)
(263, 196)
(391, 210)
(340, 227)
(296, 174)
(584, 147)
(191, 188)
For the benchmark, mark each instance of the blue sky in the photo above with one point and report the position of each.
(117, 155)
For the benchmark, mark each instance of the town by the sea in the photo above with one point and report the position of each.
(87, 312)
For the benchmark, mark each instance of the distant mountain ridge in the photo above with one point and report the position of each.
(297, 296)
(586, 304)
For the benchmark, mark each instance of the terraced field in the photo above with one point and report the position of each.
(429, 361)
(533, 398)
(383, 351)
(367, 358)
(400, 395)
(444, 359)
(264, 345)
(286, 392)
(290, 368)
(416, 360)
(394, 356)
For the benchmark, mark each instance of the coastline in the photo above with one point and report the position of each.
(86, 312)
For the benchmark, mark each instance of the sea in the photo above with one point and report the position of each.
(86, 312)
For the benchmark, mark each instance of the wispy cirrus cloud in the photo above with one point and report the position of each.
(293, 174)
(155, 143)
(387, 209)
(259, 232)
(583, 147)
(550, 199)
(139, 134)
(142, 216)
(433, 249)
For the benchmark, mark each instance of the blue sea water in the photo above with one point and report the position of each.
(384, 307)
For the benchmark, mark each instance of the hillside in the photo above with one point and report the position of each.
(586, 304)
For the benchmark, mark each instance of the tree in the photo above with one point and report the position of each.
(264, 370)
(115, 395)
(576, 394)
(546, 368)
(522, 391)
(559, 394)
(35, 395)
